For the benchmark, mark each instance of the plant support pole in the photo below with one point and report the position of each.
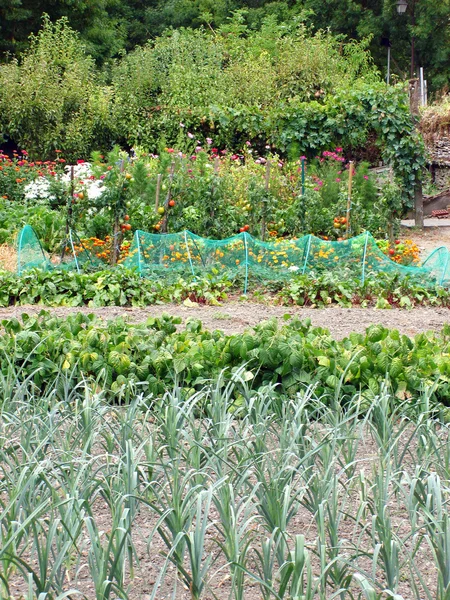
(246, 263)
(264, 215)
(303, 196)
(188, 252)
(308, 247)
(138, 244)
(349, 196)
(73, 251)
(363, 278)
(158, 191)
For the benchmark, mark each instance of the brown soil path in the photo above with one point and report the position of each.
(235, 317)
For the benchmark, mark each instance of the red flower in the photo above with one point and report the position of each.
(80, 162)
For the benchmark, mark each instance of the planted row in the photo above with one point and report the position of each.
(155, 356)
(202, 498)
(123, 287)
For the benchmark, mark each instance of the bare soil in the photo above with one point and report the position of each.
(431, 237)
(236, 317)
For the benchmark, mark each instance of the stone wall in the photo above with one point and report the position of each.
(439, 150)
(441, 176)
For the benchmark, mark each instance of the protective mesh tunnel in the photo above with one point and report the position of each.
(30, 254)
(186, 253)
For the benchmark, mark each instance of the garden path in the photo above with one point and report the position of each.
(235, 317)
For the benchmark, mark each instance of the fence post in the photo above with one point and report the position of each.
(308, 247)
(246, 263)
(188, 252)
(364, 259)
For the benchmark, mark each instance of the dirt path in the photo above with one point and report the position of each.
(236, 317)
(435, 233)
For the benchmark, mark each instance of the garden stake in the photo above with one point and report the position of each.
(264, 207)
(349, 197)
(166, 203)
(69, 214)
(158, 190)
(213, 189)
(116, 233)
(302, 215)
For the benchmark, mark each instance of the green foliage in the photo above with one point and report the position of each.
(50, 99)
(117, 287)
(278, 86)
(121, 287)
(292, 355)
(107, 26)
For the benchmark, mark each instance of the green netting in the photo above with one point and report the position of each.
(185, 252)
(74, 257)
(30, 254)
(359, 257)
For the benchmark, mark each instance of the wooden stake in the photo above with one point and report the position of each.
(216, 173)
(166, 203)
(349, 196)
(158, 191)
(117, 234)
(264, 212)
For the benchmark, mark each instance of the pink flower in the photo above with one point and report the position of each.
(181, 124)
(198, 148)
(190, 135)
(338, 179)
(338, 150)
(209, 141)
(316, 189)
(248, 143)
(302, 157)
(366, 177)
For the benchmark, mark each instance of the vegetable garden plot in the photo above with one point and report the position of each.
(243, 254)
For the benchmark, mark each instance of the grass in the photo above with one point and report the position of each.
(207, 497)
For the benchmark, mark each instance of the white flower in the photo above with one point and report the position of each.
(293, 268)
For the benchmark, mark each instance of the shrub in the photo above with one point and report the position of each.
(50, 99)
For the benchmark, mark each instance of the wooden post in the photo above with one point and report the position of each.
(166, 203)
(158, 191)
(216, 173)
(349, 196)
(414, 102)
(264, 211)
(70, 209)
(116, 240)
